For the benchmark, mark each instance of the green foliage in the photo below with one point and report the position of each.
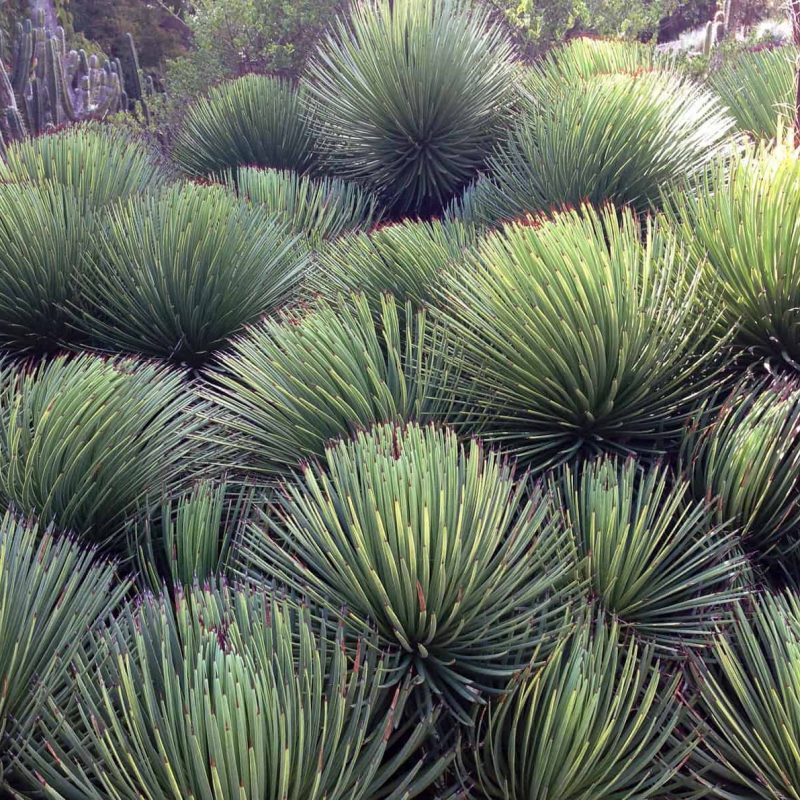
(174, 274)
(52, 593)
(185, 539)
(295, 382)
(453, 559)
(543, 24)
(251, 121)
(758, 88)
(227, 695)
(412, 94)
(745, 457)
(583, 59)
(97, 163)
(320, 209)
(599, 720)
(42, 238)
(737, 223)
(578, 336)
(408, 259)
(655, 561)
(749, 703)
(82, 440)
(625, 138)
(267, 36)
(155, 27)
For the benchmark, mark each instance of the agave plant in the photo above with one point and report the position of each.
(749, 705)
(411, 95)
(458, 565)
(583, 58)
(654, 560)
(42, 238)
(318, 208)
(229, 695)
(599, 720)
(577, 336)
(744, 456)
(98, 164)
(184, 539)
(52, 591)
(758, 88)
(623, 138)
(408, 260)
(737, 224)
(255, 120)
(175, 274)
(293, 383)
(82, 440)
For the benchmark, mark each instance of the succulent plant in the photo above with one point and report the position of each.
(410, 96)
(576, 336)
(229, 694)
(457, 564)
(255, 120)
(175, 274)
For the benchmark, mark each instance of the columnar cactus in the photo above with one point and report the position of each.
(46, 85)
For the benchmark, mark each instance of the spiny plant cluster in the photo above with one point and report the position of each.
(430, 429)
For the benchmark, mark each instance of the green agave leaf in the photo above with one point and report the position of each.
(655, 561)
(583, 58)
(577, 336)
(175, 274)
(749, 704)
(83, 439)
(758, 88)
(293, 383)
(187, 538)
(744, 457)
(411, 95)
(624, 138)
(320, 209)
(408, 260)
(599, 720)
(738, 227)
(99, 164)
(255, 120)
(52, 592)
(455, 562)
(229, 695)
(43, 235)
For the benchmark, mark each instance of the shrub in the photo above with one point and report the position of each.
(758, 88)
(584, 58)
(458, 566)
(625, 138)
(598, 720)
(52, 592)
(251, 121)
(319, 208)
(181, 539)
(744, 456)
(83, 439)
(578, 337)
(292, 384)
(737, 223)
(748, 696)
(228, 695)
(98, 164)
(408, 259)
(42, 238)
(412, 93)
(175, 274)
(654, 560)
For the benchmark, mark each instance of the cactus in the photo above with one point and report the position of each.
(46, 85)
